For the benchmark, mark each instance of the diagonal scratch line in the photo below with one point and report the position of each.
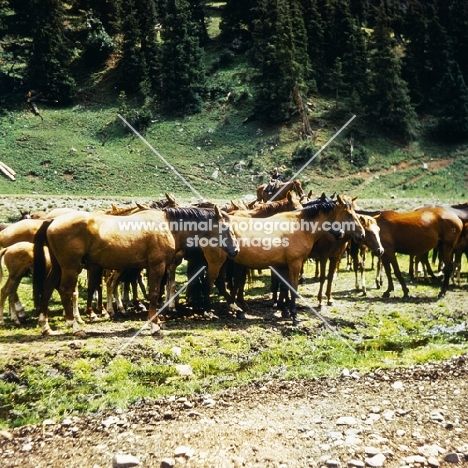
(178, 174)
(180, 291)
(315, 311)
(316, 154)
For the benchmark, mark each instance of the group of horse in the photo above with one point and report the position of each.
(61, 243)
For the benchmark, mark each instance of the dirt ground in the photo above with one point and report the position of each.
(414, 416)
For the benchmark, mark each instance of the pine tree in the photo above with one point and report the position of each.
(182, 60)
(415, 66)
(452, 97)
(48, 65)
(132, 67)
(236, 16)
(389, 103)
(275, 53)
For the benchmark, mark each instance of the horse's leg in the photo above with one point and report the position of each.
(396, 268)
(155, 275)
(239, 285)
(447, 258)
(386, 263)
(331, 274)
(68, 284)
(76, 310)
(274, 286)
(457, 258)
(322, 264)
(94, 284)
(9, 290)
(294, 269)
(362, 268)
(19, 306)
(283, 291)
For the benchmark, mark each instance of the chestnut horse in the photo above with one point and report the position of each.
(285, 240)
(281, 192)
(149, 239)
(415, 233)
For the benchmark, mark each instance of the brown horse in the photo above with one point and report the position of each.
(286, 239)
(149, 239)
(415, 233)
(281, 192)
(330, 248)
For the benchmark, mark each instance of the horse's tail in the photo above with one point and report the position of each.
(2, 253)
(40, 267)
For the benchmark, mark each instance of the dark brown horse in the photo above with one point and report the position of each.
(415, 233)
(280, 192)
(149, 239)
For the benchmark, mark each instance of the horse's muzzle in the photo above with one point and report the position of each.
(231, 253)
(379, 252)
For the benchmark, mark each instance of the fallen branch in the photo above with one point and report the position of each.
(7, 170)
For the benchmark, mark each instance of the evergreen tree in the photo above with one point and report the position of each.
(236, 16)
(275, 55)
(452, 97)
(315, 36)
(182, 60)
(414, 65)
(389, 103)
(48, 65)
(132, 65)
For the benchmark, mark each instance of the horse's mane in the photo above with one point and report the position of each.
(164, 203)
(271, 208)
(313, 207)
(460, 206)
(189, 214)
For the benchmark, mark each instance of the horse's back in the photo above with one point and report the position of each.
(21, 231)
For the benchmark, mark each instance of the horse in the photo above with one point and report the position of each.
(280, 192)
(285, 240)
(19, 260)
(330, 248)
(415, 233)
(150, 239)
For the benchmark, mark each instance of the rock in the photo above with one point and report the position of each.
(431, 450)
(388, 414)
(346, 421)
(397, 385)
(400, 432)
(125, 461)
(376, 460)
(371, 451)
(432, 461)
(345, 372)
(209, 402)
(184, 370)
(415, 459)
(110, 421)
(26, 447)
(453, 458)
(48, 422)
(167, 463)
(356, 463)
(183, 451)
(176, 351)
(6, 435)
(333, 463)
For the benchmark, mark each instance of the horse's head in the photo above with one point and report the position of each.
(348, 219)
(297, 187)
(227, 239)
(372, 234)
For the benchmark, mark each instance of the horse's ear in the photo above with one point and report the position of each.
(309, 195)
(355, 198)
(234, 206)
(333, 195)
(340, 200)
(170, 198)
(218, 212)
(323, 197)
(114, 208)
(376, 216)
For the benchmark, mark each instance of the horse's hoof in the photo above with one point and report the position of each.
(79, 334)
(330, 303)
(285, 314)
(92, 317)
(49, 332)
(210, 315)
(80, 320)
(296, 322)
(386, 294)
(441, 295)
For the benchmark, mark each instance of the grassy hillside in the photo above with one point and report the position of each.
(85, 149)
